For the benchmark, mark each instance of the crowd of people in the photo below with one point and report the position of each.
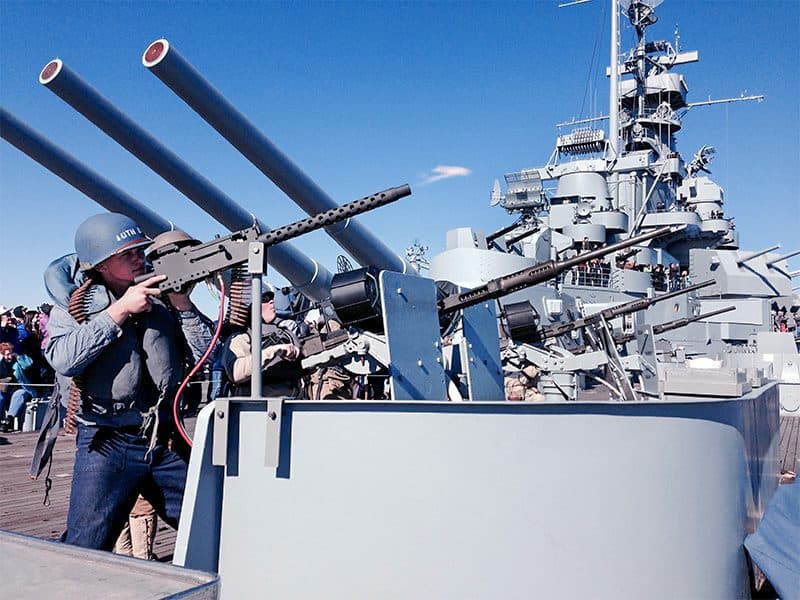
(25, 375)
(785, 321)
(597, 273)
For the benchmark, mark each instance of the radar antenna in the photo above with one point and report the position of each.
(701, 160)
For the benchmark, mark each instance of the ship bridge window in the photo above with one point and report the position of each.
(693, 192)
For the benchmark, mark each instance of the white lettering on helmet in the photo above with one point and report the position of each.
(127, 233)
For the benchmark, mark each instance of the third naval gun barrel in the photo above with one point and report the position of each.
(540, 273)
(164, 61)
(617, 311)
(309, 277)
(78, 175)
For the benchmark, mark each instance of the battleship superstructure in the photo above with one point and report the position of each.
(600, 187)
(652, 450)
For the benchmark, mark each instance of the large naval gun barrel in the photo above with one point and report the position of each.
(78, 175)
(617, 311)
(309, 277)
(188, 264)
(164, 61)
(540, 273)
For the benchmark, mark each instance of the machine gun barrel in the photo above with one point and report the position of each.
(186, 265)
(540, 273)
(164, 61)
(676, 324)
(619, 310)
(78, 175)
(307, 275)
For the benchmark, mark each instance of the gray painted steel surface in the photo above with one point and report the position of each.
(411, 326)
(484, 500)
(34, 568)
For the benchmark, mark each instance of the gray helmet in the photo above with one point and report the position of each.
(104, 235)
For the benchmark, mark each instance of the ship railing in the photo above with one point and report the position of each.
(590, 276)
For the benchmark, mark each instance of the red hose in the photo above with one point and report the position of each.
(175, 413)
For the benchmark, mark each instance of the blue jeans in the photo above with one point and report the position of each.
(110, 471)
(19, 399)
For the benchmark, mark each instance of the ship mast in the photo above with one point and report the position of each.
(613, 109)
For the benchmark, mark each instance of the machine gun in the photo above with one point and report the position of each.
(189, 264)
(398, 322)
(540, 273)
(676, 324)
(617, 311)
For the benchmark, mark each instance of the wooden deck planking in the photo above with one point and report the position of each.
(21, 499)
(789, 453)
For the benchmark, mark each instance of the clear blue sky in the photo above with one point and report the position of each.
(368, 95)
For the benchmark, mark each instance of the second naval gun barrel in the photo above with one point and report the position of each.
(78, 175)
(188, 264)
(164, 61)
(619, 310)
(540, 273)
(309, 277)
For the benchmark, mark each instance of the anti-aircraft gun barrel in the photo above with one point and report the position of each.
(669, 326)
(188, 264)
(519, 237)
(753, 255)
(676, 324)
(540, 273)
(307, 275)
(78, 175)
(164, 61)
(782, 257)
(501, 232)
(619, 310)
